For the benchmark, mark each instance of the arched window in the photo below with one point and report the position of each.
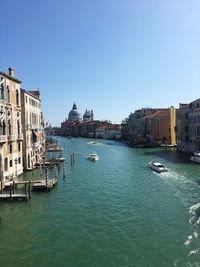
(2, 92)
(4, 128)
(9, 128)
(8, 94)
(17, 97)
(6, 164)
(18, 127)
(1, 128)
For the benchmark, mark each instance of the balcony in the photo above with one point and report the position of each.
(2, 102)
(3, 138)
(11, 137)
(20, 137)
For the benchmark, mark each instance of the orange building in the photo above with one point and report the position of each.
(152, 127)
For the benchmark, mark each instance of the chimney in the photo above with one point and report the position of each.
(11, 72)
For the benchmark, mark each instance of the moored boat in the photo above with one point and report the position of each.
(92, 157)
(157, 166)
(195, 157)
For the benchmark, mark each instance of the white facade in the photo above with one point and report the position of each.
(33, 129)
(10, 127)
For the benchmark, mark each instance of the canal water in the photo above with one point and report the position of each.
(112, 212)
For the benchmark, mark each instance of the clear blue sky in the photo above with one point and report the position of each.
(112, 56)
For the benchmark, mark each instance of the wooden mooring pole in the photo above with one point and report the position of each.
(46, 176)
(29, 189)
(1, 187)
(10, 191)
(64, 171)
(54, 170)
(13, 186)
(25, 189)
(73, 157)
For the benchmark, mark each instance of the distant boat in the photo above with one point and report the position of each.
(91, 142)
(157, 166)
(195, 157)
(93, 157)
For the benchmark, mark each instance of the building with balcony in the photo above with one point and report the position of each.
(33, 129)
(10, 126)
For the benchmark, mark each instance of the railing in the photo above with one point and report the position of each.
(3, 138)
(20, 137)
(11, 137)
(2, 101)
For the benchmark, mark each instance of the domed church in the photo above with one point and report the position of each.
(74, 115)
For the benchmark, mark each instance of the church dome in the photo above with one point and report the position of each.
(74, 115)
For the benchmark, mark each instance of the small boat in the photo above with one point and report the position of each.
(92, 157)
(195, 157)
(61, 159)
(91, 142)
(157, 166)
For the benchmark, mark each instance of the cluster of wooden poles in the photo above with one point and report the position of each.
(12, 195)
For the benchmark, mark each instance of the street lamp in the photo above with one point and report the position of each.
(16, 161)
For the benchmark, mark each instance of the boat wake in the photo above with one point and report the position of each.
(192, 241)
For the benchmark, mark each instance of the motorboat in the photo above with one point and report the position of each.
(92, 157)
(157, 166)
(91, 142)
(195, 157)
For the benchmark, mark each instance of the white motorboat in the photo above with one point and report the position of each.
(92, 157)
(157, 166)
(195, 157)
(91, 142)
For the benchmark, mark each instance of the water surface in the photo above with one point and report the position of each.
(113, 212)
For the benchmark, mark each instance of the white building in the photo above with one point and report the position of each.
(33, 128)
(10, 126)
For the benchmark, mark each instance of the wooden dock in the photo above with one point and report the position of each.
(10, 188)
(44, 185)
(13, 197)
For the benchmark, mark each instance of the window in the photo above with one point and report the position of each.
(11, 163)
(19, 160)
(10, 148)
(9, 128)
(26, 99)
(19, 146)
(6, 164)
(8, 94)
(17, 97)
(18, 127)
(2, 92)
(2, 128)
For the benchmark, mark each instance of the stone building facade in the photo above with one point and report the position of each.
(10, 126)
(33, 129)
(188, 127)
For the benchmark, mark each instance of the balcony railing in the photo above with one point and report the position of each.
(11, 137)
(2, 101)
(3, 138)
(20, 136)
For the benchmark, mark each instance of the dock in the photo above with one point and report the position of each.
(44, 185)
(10, 188)
(13, 197)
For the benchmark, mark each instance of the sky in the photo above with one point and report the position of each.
(112, 56)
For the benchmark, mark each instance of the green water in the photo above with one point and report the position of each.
(113, 212)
